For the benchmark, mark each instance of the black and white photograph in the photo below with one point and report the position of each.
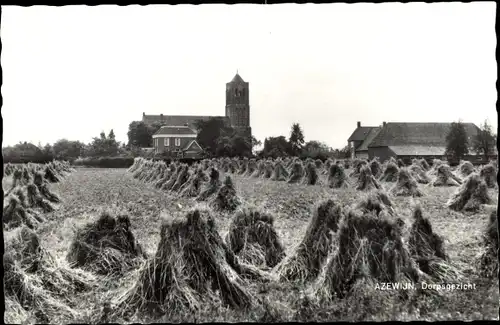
(249, 163)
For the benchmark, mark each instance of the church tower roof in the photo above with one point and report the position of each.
(237, 78)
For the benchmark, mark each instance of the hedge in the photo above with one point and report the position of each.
(15, 159)
(105, 162)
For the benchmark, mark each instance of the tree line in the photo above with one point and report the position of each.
(220, 140)
(458, 144)
(296, 146)
(63, 149)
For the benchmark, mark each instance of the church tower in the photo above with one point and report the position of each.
(238, 105)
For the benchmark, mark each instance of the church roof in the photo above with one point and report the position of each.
(177, 120)
(237, 78)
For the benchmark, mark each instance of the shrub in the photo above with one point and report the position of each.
(105, 162)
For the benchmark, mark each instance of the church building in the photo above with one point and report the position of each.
(178, 132)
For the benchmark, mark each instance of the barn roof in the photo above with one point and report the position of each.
(177, 120)
(415, 150)
(423, 134)
(369, 138)
(361, 133)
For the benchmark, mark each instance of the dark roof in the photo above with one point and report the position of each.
(361, 133)
(175, 130)
(427, 134)
(177, 120)
(237, 78)
(369, 138)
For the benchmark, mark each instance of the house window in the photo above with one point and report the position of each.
(177, 142)
(166, 142)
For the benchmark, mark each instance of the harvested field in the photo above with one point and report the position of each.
(178, 248)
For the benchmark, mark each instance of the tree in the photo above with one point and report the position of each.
(102, 147)
(344, 153)
(67, 150)
(255, 142)
(317, 150)
(140, 134)
(485, 140)
(275, 147)
(456, 141)
(296, 139)
(224, 147)
(23, 152)
(235, 145)
(48, 152)
(211, 132)
(111, 135)
(241, 145)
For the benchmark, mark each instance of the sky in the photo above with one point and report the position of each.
(71, 72)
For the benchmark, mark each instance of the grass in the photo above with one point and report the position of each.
(88, 192)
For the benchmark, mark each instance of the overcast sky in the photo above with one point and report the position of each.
(74, 71)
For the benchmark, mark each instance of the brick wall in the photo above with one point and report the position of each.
(161, 145)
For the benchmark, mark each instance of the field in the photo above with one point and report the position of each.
(86, 193)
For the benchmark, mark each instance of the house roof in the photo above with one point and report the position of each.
(177, 130)
(361, 133)
(194, 145)
(415, 150)
(369, 138)
(424, 134)
(175, 120)
(237, 79)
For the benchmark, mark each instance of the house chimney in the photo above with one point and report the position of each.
(359, 124)
(384, 123)
(143, 114)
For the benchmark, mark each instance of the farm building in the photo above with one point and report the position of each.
(414, 140)
(237, 116)
(359, 140)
